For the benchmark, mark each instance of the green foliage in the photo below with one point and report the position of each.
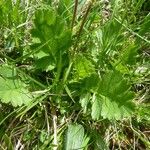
(83, 67)
(96, 107)
(113, 100)
(65, 9)
(50, 30)
(144, 113)
(76, 74)
(129, 55)
(12, 89)
(99, 142)
(84, 100)
(75, 138)
(46, 63)
(8, 142)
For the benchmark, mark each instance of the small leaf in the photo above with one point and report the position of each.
(83, 67)
(90, 83)
(41, 54)
(84, 100)
(39, 17)
(75, 138)
(43, 136)
(64, 6)
(121, 67)
(7, 71)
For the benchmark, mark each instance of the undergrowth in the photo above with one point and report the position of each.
(74, 74)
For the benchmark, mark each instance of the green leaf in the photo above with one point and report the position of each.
(145, 26)
(99, 143)
(8, 142)
(129, 55)
(143, 113)
(96, 107)
(12, 90)
(64, 39)
(84, 100)
(88, 84)
(120, 67)
(83, 67)
(43, 136)
(114, 99)
(51, 31)
(64, 6)
(75, 138)
(40, 54)
(46, 63)
(50, 17)
(7, 71)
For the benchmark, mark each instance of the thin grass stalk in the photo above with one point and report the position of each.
(55, 142)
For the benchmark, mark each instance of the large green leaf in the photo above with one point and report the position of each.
(114, 98)
(75, 138)
(12, 90)
(52, 31)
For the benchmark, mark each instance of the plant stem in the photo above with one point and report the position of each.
(82, 24)
(84, 19)
(75, 12)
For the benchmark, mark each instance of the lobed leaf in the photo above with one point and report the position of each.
(114, 99)
(12, 90)
(83, 67)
